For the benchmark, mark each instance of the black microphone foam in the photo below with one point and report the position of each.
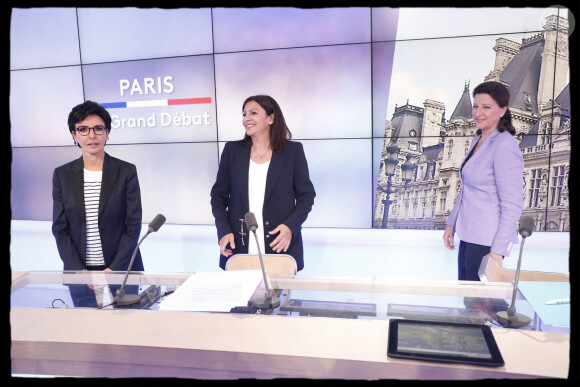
(156, 223)
(251, 222)
(526, 226)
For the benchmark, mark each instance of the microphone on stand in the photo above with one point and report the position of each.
(268, 301)
(510, 317)
(129, 299)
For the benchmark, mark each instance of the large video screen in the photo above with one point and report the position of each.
(350, 81)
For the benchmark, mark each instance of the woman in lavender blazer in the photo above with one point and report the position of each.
(490, 201)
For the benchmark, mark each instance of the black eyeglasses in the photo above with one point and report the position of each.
(84, 130)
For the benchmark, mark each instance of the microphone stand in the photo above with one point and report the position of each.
(510, 317)
(268, 301)
(129, 299)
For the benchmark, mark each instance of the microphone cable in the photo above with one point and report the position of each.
(58, 299)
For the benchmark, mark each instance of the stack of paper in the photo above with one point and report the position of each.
(218, 291)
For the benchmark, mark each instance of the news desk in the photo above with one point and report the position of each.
(341, 337)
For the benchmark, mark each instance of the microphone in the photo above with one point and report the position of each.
(129, 299)
(526, 226)
(156, 223)
(268, 301)
(251, 221)
(510, 317)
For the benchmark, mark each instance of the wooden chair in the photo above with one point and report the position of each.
(491, 271)
(276, 264)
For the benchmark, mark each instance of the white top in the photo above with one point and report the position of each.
(92, 188)
(256, 191)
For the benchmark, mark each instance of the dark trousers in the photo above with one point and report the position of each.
(83, 296)
(469, 260)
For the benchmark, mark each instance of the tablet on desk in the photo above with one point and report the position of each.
(443, 342)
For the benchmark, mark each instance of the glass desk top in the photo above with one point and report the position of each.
(300, 296)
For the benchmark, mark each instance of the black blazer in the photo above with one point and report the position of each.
(288, 198)
(119, 214)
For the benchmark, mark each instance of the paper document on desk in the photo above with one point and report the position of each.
(214, 291)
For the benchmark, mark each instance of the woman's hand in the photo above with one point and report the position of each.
(228, 238)
(448, 238)
(497, 257)
(282, 241)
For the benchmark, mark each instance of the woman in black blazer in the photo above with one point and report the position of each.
(266, 174)
(96, 217)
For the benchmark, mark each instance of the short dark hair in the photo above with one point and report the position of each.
(279, 132)
(500, 94)
(85, 109)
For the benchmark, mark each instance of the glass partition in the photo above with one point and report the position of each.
(301, 296)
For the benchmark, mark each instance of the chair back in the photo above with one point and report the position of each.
(491, 271)
(276, 264)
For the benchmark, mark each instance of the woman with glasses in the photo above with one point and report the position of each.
(96, 218)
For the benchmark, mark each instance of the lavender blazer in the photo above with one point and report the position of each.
(490, 202)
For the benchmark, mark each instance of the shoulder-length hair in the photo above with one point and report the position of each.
(279, 132)
(501, 95)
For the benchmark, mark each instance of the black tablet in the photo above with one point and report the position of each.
(443, 342)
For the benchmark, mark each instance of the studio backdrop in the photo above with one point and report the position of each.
(357, 86)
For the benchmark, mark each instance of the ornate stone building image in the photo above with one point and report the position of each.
(422, 151)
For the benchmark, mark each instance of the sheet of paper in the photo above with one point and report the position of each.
(214, 291)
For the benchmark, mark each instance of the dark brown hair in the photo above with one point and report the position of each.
(501, 95)
(279, 132)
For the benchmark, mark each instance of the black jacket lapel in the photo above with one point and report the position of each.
(276, 164)
(77, 181)
(110, 172)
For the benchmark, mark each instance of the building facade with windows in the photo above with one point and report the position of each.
(536, 73)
